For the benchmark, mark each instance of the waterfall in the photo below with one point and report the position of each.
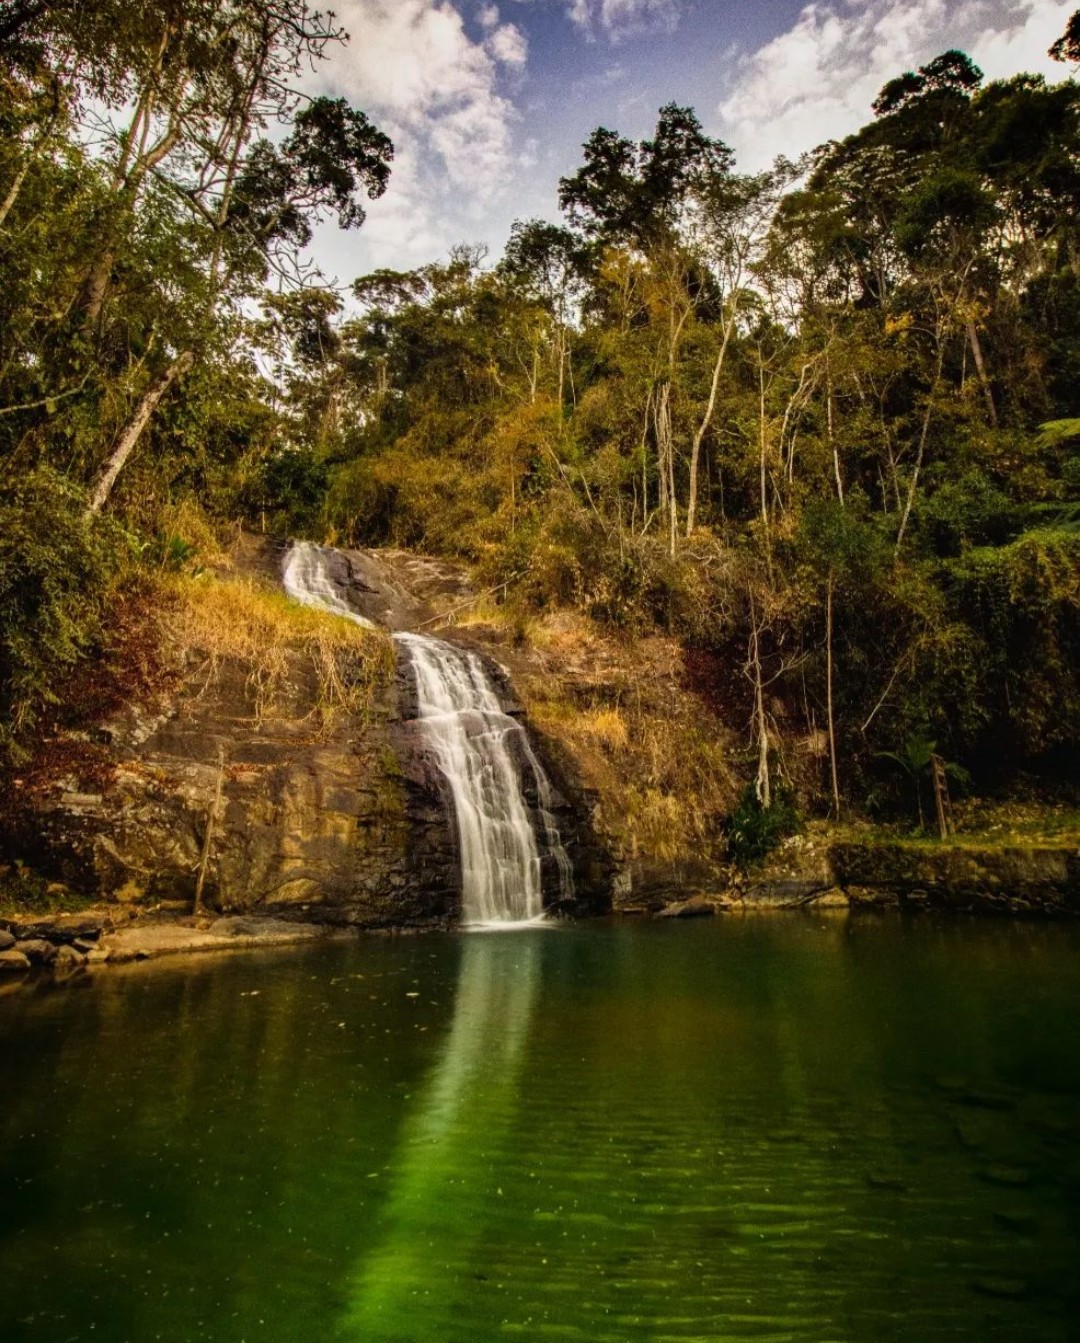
(305, 575)
(483, 754)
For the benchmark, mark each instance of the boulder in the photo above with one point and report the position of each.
(7, 940)
(13, 962)
(67, 961)
(38, 950)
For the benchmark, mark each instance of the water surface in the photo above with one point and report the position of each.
(802, 1128)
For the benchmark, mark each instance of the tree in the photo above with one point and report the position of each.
(1067, 47)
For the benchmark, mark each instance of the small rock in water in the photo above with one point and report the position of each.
(1013, 1177)
(882, 1180)
(7, 940)
(1009, 1289)
(950, 1082)
(12, 961)
(67, 961)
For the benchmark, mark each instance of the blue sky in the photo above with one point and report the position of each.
(488, 101)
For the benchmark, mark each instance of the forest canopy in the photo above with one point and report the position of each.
(821, 422)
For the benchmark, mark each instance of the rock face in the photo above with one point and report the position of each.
(1007, 880)
(958, 877)
(348, 829)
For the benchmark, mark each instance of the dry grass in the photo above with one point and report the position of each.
(282, 647)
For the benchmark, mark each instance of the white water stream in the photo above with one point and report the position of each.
(482, 753)
(305, 575)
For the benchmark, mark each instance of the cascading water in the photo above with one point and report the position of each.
(481, 752)
(305, 575)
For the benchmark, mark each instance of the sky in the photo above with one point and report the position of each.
(489, 101)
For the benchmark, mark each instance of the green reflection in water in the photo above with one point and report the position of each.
(445, 1178)
(832, 1130)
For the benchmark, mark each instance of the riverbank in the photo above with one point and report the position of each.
(64, 945)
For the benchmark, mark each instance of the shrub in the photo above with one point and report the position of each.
(56, 568)
(754, 831)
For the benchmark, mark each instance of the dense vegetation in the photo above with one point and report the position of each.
(821, 423)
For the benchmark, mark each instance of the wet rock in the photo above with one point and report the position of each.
(7, 940)
(149, 941)
(348, 829)
(67, 961)
(13, 962)
(39, 951)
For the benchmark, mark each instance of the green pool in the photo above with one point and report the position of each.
(779, 1128)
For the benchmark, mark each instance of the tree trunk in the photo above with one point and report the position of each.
(829, 697)
(922, 446)
(832, 440)
(665, 455)
(15, 188)
(763, 445)
(980, 369)
(133, 431)
(703, 427)
(762, 784)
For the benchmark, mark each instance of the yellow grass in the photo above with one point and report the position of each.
(280, 645)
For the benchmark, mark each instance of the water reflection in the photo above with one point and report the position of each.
(830, 1131)
(445, 1173)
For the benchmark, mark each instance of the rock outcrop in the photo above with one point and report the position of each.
(349, 827)
(959, 876)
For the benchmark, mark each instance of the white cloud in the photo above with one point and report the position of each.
(508, 46)
(444, 98)
(412, 65)
(816, 81)
(617, 19)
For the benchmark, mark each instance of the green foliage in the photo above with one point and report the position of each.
(753, 831)
(288, 493)
(818, 422)
(56, 568)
